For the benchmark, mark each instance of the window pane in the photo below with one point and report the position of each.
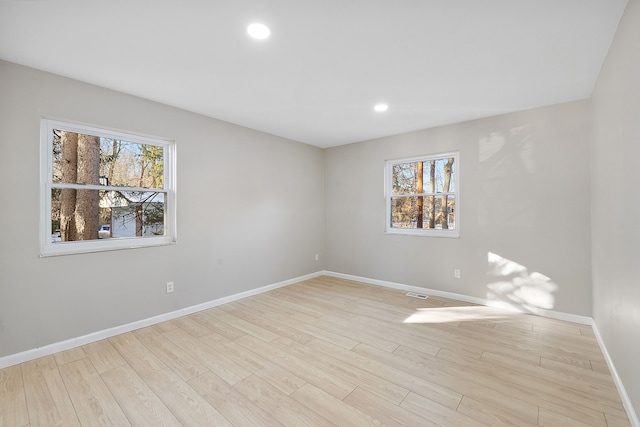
(404, 212)
(438, 176)
(91, 214)
(427, 212)
(87, 159)
(443, 173)
(405, 178)
(440, 211)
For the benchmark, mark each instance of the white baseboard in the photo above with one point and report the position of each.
(14, 359)
(626, 401)
(583, 320)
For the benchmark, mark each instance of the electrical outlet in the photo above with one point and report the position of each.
(169, 287)
(317, 258)
(456, 273)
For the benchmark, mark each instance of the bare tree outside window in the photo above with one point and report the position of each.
(103, 187)
(125, 169)
(422, 193)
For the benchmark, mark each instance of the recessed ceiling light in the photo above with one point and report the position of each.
(381, 107)
(258, 31)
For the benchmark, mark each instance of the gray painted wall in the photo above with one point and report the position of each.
(250, 213)
(524, 208)
(616, 202)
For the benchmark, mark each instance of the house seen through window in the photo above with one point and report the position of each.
(105, 190)
(422, 195)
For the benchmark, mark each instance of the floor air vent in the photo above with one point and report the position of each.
(415, 295)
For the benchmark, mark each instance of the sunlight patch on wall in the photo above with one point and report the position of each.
(517, 286)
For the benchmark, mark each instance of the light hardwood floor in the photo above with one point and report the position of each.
(325, 352)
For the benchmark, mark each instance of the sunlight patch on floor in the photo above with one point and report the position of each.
(456, 314)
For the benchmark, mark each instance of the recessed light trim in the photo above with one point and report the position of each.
(258, 31)
(381, 108)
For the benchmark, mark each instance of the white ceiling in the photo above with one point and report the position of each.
(327, 61)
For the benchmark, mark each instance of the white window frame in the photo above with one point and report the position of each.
(47, 247)
(388, 193)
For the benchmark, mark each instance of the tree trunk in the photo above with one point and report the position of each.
(432, 199)
(445, 197)
(69, 151)
(420, 219)
(87, 201)
(139, 222)
(115, 150)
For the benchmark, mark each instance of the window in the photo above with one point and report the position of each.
(104, 190)
(422, 195)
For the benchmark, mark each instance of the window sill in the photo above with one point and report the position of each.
(424, 233)
(71, 248)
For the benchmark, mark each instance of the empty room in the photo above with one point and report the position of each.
(318, 213)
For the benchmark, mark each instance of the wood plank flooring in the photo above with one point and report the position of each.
(325, 352)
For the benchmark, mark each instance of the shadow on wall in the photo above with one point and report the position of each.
(507, 165)
(516, 286)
